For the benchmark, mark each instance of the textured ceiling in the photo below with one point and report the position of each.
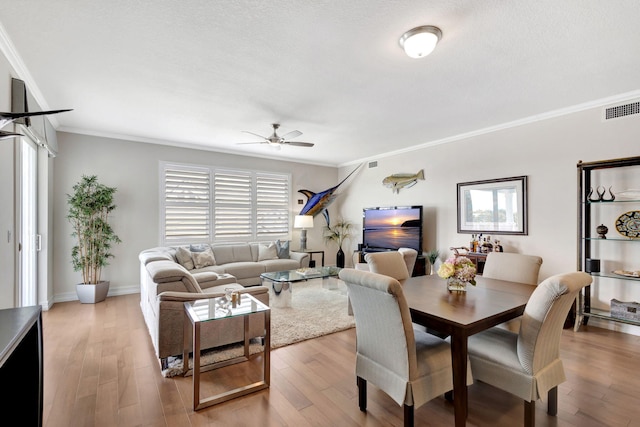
(198, 72)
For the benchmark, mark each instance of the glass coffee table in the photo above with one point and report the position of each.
(281, 288)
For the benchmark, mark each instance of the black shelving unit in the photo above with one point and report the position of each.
(588, 237)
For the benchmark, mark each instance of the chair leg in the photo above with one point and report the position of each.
(362, 394)
(529, 413)
(552, 397)
(408, 416)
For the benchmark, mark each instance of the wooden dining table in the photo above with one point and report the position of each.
(461, 314)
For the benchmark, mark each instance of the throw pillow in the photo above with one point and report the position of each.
(198, 248)
(267, 251)
(183, 255)
(283, 249)
(203, 259)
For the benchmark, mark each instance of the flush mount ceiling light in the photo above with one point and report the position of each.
(420, 41)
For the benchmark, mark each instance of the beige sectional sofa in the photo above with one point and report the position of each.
(168, 278)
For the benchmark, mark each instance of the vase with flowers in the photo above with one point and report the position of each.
(458, 271)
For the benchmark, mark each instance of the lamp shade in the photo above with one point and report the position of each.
(420, 41)
(303, 221)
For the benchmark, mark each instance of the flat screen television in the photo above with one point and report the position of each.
(391, 228)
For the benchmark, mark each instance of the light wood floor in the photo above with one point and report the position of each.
(100, 371)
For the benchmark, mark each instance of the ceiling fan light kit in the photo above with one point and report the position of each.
(420, 41)
(276, 141)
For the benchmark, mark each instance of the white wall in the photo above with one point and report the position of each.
(133, 168)
(7, 183)
(546, 151)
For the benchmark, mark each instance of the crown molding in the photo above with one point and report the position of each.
(598, 103)
(22, 72)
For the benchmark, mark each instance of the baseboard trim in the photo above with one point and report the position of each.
(71, 296)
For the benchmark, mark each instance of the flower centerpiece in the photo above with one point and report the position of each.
(458, 271)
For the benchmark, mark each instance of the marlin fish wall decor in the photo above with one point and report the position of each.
(319, 202)
(398, 181)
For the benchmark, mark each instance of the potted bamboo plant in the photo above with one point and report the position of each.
(89, 207)
(338, 233)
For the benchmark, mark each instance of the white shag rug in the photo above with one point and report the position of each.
(318, 307)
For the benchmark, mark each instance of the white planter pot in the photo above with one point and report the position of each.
(91, 294)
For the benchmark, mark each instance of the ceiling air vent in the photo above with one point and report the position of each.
(623, 110)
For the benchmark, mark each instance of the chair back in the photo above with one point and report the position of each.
(410, 256)
(390, 264)
(384, 333)
(543, 319)
(512, 267)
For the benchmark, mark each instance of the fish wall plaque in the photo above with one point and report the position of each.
(398, 181)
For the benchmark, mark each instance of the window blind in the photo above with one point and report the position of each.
(206, 204)
(232, 205)
(272, 205)
(187, 214)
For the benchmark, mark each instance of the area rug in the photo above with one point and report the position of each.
(318, 307)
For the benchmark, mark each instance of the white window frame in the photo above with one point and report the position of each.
(266, 215)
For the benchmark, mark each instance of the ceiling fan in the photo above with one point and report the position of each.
(278, 141)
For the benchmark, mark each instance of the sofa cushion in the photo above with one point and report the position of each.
(225, 254)
(267, 251)
(203, 259)
(183, 255)
(283, 249)
(151, 255)
(243, 270)
(166, 271)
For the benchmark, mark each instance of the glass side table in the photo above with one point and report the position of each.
(218, 309)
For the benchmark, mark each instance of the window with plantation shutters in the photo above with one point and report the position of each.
(272, 205)
(187, 212)
(233, 205)
(207, 204)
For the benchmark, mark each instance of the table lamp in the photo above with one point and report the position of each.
(304, 222)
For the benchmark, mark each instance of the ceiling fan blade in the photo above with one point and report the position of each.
(292, 134)
(255, 134)
(299, 144)
(255, 142)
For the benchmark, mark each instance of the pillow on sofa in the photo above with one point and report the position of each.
(199, 248)
(183, 255)
(203, 259)
(283, 249)
(267, 251)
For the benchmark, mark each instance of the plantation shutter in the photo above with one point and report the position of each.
(272, 205)
(208, 204)
(186, 204)
(232, 207)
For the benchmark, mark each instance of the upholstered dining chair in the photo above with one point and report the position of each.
(412, 367)
(397, 264)
(527, 364)
(514, 268)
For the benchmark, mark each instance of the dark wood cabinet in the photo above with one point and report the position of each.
(601, 235)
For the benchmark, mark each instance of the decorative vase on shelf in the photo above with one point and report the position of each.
(455, 284)
(340, 258)
(602, 231)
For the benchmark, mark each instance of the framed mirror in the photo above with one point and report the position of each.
(495, 206)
